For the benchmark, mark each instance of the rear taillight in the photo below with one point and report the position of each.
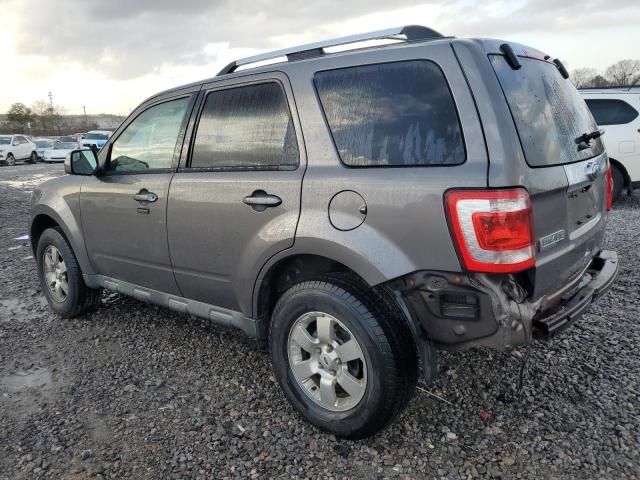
(492, 229)
(609, 179)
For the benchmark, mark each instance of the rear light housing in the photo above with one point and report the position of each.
(492, 229)
(609, 180)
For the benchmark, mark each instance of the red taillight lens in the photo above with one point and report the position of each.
(492, 229)
(609, 180)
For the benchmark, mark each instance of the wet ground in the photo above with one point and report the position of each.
(135, 391)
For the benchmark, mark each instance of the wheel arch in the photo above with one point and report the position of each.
(44, 217)
(623, 170)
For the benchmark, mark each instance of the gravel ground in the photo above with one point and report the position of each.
(135, 391)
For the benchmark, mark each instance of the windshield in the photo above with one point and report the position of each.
(43, 143)
(5, 140)
(548, 111)
(64, 146)
(96, 136)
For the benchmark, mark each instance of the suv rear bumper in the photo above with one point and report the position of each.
(457, 311)
(596, 281)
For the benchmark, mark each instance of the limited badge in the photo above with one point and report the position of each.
(549, 240)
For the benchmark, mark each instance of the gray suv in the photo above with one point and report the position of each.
(355, 208)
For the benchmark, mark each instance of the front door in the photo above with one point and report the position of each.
(124, 209)
(237, 203)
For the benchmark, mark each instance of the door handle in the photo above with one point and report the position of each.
(261, 200)
(264, 200)
(145, 196)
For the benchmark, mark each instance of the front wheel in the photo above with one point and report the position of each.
(11, 160)
(61, 278)
(343, 356)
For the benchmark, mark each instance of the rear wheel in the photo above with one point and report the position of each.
(344, 359)
(33, 158)
(618, 182)
(61, 278)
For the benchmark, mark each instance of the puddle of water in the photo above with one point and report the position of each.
(36, 377)
(13, 309)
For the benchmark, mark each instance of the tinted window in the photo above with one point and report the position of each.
(548, 111)
(150, 140)
(611, 112)
(246, 127)
(393, 114)
(96, 136)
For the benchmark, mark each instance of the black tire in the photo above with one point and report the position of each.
(33, 158)
(80, 299)
(10, 160)
(618, 182)
(384, 336)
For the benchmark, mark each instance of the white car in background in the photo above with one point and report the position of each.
(17, 147)
(42, 144)
(59, 151)
(617, 111)
(96, 138)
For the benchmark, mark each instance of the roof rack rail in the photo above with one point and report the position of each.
(407, 33)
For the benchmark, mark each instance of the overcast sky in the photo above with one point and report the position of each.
(111, 54)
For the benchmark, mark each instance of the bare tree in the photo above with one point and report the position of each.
(624, 72)
(583, 77)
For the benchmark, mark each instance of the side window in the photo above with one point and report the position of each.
(611, 112)
(20, 140)
(391, 114)
(246, 127)
(150, 140)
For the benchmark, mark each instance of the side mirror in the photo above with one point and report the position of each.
(81, 162)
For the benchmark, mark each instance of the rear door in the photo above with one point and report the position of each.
(24, 148)
(236, 201)
(564, 174)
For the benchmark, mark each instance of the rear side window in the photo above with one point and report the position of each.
(391, 115)
(548, 112)
(246, 128)
(611, 111)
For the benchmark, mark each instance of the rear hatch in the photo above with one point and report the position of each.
(566, 180)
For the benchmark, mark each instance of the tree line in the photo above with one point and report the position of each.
(624, 73)
(45, 119)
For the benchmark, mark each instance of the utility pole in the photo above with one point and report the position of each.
(84, 108)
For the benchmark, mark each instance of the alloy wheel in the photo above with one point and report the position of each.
(55, 273)
(327, 361)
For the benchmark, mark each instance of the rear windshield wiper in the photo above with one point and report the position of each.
(584, 140)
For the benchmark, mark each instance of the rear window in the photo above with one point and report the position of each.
(391, 115)
(548, 112)
(611, 112)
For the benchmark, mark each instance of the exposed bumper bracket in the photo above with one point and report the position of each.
(598, 278)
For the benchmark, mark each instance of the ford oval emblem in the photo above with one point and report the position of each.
(593, 170)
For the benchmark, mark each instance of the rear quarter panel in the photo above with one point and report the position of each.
(405, 227)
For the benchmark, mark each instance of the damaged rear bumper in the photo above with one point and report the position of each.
(596, 281)
(457, 311)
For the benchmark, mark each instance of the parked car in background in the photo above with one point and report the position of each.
(17, 147)
(42, 144)
(437, 200)
(67, 138)
(59, 151)
(96, 139)
(617, 110)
